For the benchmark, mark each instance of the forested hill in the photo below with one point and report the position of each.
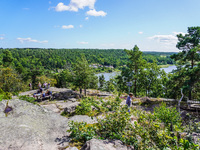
(58, 58)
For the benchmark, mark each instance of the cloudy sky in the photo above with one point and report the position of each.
(151, 24)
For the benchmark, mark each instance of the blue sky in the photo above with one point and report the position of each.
(150, 24)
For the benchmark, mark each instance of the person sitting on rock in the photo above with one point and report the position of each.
(48, 93)
(43, 94)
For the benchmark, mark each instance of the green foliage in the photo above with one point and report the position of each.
(7, 58)
(83, 75)
(28, 99)
(167, 115)
(101, 81)
(53, 59)
(188, 60)
(10, 81)
(186, 145)
(84, 108)
(114, 123)
(5, 95)
(82, 131)
(148, 131)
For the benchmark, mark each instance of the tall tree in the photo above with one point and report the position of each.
(101, 81)
(136, 64)
(83, 74)
(189, 56)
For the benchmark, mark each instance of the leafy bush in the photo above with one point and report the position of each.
(169, 116)
(28, 99)
(82, 131)
(84, 108)
(148, 131)
(114, 123)
(5, 95)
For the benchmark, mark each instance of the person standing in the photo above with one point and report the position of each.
(30, 86)
(39, 85)
(45, 85)
(48, 85)
(129, 101)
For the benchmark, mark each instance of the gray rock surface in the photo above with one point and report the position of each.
(70, 108)
(64, 95)
(83, 118)
(31, 127)
(59, 106)
(58, 93)
(52, 107)
(72, 148)
(95, 144)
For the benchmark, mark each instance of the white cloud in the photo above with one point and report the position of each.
(87, 18)
(83, 43)
(167, 39)
(163, 42)
(93, 12)
(67, 27)
(22, 40)
(1, 38)
(75, 5)
(140, 32)
(81, 26)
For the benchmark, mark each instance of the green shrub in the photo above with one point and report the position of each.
(84, 108)
(169, 116)
(5, 95)
(28, 99)
(82, 131)
(149, 131)
(114, 123)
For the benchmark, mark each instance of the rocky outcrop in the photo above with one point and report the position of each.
(60, 106)
(58, 93)
(65, 95)
(95, 144)
(31, 127)
(83, 118)
(71, 107)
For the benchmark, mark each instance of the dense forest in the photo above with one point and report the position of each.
(53, 59)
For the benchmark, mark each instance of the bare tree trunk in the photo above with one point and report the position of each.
(180, 100)
(80, 90)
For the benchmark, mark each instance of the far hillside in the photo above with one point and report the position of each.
(54, 59)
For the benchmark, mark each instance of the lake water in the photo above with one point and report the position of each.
(113, 74)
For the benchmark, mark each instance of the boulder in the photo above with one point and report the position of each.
(71, 107)
(64, 95)
(95, 144)
(31, 127)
